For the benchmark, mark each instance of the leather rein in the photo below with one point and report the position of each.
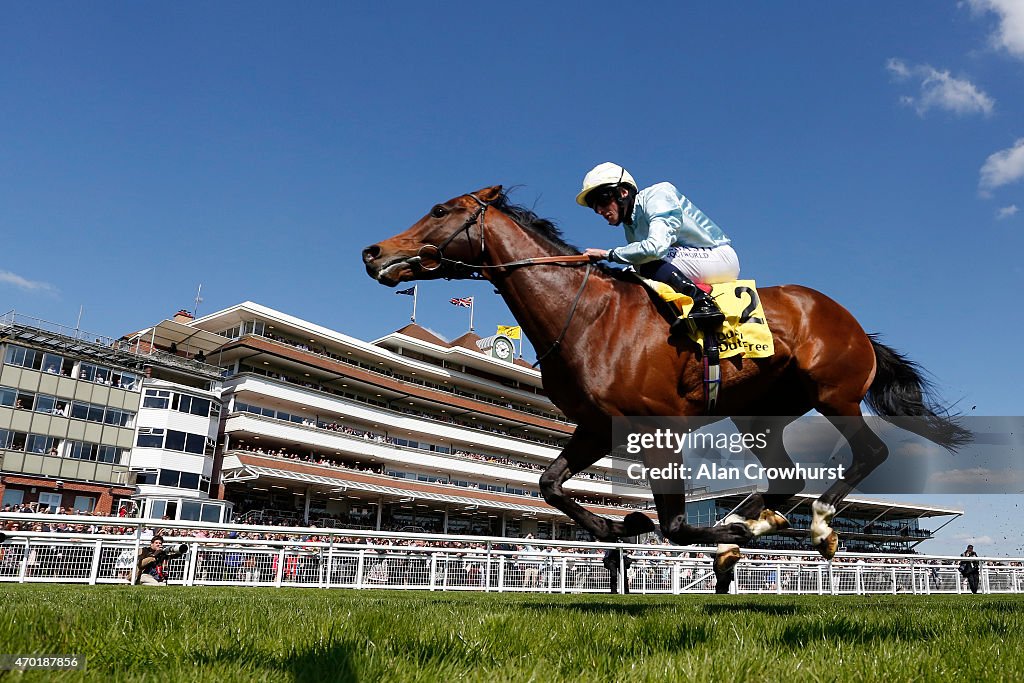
(476, 271)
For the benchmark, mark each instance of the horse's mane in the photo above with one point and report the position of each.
(548, 230)
(534, 223)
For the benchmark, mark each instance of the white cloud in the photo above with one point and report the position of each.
(1002, 168)
(1006, 211)
(1010, 34)
(26, 284)
(976, 540)
(898, 68)
(940, 90)
(970, 475)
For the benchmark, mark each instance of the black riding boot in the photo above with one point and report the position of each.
(705, 314)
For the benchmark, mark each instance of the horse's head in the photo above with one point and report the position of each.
(447, 242)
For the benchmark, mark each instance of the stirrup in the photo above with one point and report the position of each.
(709, 322)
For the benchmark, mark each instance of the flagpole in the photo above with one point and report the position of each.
(472, 301)
(415, 291)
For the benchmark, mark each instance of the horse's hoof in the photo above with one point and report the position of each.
(767, 522)
(778, 521)
(829, 546)
(726, 559)
(636, 523)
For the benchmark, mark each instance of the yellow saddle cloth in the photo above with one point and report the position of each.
(745, 330)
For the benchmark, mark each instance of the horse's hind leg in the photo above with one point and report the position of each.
(579, 454)
(758, 512)
(869, 451)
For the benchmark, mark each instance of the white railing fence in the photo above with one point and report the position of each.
(361, 559)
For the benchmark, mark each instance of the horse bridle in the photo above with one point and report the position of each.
(475, 271)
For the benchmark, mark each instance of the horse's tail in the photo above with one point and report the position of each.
(900, 390)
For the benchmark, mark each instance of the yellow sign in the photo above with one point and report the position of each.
(510, 332)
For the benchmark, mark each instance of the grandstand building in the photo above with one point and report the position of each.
(72, 414)
(407, 432)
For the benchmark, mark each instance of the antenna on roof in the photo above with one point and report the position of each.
(199, 299)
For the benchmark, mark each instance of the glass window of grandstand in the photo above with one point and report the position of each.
(87, 411)
(95, 452)
(107, 376)
(38, 443)
(23, 358)
(184, 480)
(251, 327)
(13, 497)
(157, 508)
(197, 511)
(57, 365)
(183, 441)
(150, 438)
(120, 418)
(478, 524)
(156, 398)
(49, 501)
(84, 504)
(193, 405)
(24, 401)
(414, 518)
(14, 441)
(51, 405)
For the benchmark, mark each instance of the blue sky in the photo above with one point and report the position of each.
(874, 151)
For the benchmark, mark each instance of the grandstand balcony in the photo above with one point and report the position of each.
(358, 489)
(249, 431)
(313, 403)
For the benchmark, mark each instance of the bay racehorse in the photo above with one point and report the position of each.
(603, 354)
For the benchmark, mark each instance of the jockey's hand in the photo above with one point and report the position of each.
(596, 254)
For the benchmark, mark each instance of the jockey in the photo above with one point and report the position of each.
(669, 239)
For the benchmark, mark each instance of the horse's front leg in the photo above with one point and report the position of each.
(670, 499)
(758, 511)
(579, 454)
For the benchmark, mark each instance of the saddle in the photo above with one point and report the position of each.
(745, 332)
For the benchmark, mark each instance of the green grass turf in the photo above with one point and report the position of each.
(238, 634)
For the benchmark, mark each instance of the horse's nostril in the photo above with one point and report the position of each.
(371, 253)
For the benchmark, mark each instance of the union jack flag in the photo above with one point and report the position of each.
(466, 302)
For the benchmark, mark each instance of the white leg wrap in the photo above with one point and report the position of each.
(726, 547)
(760, 527)
(823, 514)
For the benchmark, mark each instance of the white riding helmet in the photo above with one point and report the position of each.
(604, 174)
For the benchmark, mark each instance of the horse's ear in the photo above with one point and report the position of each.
(489, 194)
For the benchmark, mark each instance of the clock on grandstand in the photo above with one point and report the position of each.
(502, 348)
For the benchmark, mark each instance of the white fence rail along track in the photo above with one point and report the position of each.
(361, 559)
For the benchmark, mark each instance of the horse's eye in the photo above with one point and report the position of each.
(439, 211)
